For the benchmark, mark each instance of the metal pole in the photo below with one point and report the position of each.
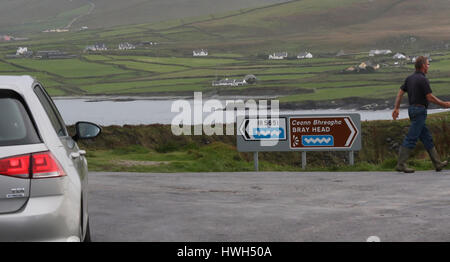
(351, 158)
(304, 160)
(255, 160)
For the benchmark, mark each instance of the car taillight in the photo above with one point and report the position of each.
(18, 166)
(43, 165)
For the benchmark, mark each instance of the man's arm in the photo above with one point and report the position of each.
(398, 100)
(433, 99)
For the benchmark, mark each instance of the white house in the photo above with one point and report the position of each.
(414, 58)
(399, 56)
(22, 50)
(126, 46)
(341, 53)
(304, 55)
(278, 56)
(229, 82)
(96, 47)
(200, 52)
(380, 52)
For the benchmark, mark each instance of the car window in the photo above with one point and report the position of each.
(16, 127)
(52, 111)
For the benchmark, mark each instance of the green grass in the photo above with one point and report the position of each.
(4, 67)
(191, 62)
(148, 67)
(214, 157)
(443, 65)
(74, 12)
(156, 85)
(97, 58)
(337, 93)
(69, 67)
(284, 77)
(124, 31)
(304, 69)
(258, 18)
(218, 157)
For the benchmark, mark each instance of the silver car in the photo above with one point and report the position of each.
(43, 173)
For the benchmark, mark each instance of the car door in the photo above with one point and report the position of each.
(73, 152)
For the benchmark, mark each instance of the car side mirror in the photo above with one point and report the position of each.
(86, 130)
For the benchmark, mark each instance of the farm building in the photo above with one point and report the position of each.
(250, 79)
(5, 38)
(201, 52)
(399, 56)
(379, 52)
(364, 67)
(53, 54)
(341, 53)
(278, 56)
(413, 58)
(96, 47)
(126, 46)
(229, 82)
(24, 52)
(304, 55)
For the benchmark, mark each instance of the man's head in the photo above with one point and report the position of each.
(422, 64)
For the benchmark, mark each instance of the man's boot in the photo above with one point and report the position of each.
(403, 156)
(436, 159)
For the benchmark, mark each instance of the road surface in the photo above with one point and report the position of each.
(270, 206)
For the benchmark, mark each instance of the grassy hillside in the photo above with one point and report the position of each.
(330, 24)
(252, 26)
(37, 15)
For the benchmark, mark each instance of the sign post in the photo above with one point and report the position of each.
(351, 158)
(255, 161)
(304, 160)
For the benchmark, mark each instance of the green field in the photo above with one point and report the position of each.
(140, 74)
(69, 68)
(4, 67)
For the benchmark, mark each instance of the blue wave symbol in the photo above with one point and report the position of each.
(325, 140)
(269, 132)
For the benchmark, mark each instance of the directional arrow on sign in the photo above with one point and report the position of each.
(353, 130)
(244, 129)
(263, 129)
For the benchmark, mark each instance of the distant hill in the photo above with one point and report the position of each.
(37, 15)
(330, 23)
(254, 27)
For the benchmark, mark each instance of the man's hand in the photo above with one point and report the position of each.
(395, 114)
(437, 101)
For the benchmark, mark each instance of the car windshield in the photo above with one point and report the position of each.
(16, 127)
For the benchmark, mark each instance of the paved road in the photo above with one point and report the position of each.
(270, 206)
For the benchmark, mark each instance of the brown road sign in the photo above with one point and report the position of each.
(322, 132)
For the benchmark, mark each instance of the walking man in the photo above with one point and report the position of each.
(419, 95)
